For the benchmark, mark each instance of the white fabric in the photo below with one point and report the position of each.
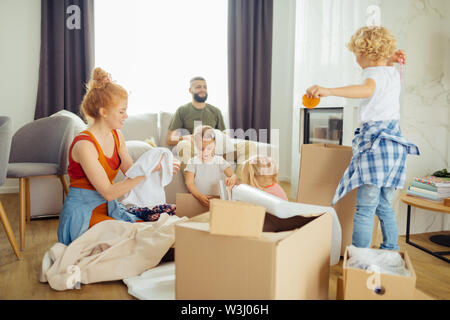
(384, 104)
(383, 261)
(150, 192)
(154, 284)
(284, 209)
(164, 118)
(207, 174)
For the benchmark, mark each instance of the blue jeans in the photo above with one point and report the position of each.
(369, 200)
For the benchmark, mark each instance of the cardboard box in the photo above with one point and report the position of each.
(418, 294)
(236, 218)
(360, 284)
(321, 168)
(189, 206)
(292, 264)
(340, 288)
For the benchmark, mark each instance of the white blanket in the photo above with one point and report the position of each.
(150, 192)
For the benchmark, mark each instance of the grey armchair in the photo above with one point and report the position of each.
(5, 144)
(39, 148)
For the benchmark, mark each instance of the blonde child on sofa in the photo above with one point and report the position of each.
(261, 172)
(205, 170)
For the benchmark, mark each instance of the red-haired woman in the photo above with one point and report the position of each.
(95, 157)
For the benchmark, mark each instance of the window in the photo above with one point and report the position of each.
(154, 47)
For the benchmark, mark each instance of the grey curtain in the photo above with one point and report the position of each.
(250, 65)
(67, 55)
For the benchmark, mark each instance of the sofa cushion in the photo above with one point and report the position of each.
(165, 118)
(141, 126)
(137, 148)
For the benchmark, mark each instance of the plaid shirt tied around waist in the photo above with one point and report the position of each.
(379, 158)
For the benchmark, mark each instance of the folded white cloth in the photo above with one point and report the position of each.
(154, 284)
(150, 192)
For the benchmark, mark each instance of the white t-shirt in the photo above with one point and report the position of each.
(384, 104)
(207, 174)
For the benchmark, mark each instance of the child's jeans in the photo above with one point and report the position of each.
(369, 200)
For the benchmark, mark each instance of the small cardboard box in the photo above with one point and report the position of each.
(292, 264)
(189, 206)
(418, 294)
(361, 285)
(236, 218)
(321, 168)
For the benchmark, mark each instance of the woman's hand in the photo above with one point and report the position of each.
(398, 57)
(158, 166)
(176, 165)
(317, 92)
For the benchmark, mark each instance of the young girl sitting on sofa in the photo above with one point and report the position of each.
(205, 170)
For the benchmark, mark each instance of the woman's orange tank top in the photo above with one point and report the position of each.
(111, 165)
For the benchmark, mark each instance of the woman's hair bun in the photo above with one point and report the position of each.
(99, 79)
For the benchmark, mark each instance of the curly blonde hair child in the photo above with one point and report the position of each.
(262, 172)
(376, 43)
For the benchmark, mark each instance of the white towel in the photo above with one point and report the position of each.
(150, 192)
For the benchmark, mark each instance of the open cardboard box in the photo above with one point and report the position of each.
(321, 169)
(236, 218)
(359, 284)
(292, 264)
(189, 206)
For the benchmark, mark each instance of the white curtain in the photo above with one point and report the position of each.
(154, 47)
(324, 27)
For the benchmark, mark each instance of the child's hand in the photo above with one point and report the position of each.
(399, 56)
(317, 92)
(204, 200)
(231, 181)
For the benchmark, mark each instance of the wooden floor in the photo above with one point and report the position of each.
(20, 279)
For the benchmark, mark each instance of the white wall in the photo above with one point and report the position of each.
(283, 45)
(426, 99)
(20, 25)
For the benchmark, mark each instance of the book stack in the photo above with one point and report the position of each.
(430, 188)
